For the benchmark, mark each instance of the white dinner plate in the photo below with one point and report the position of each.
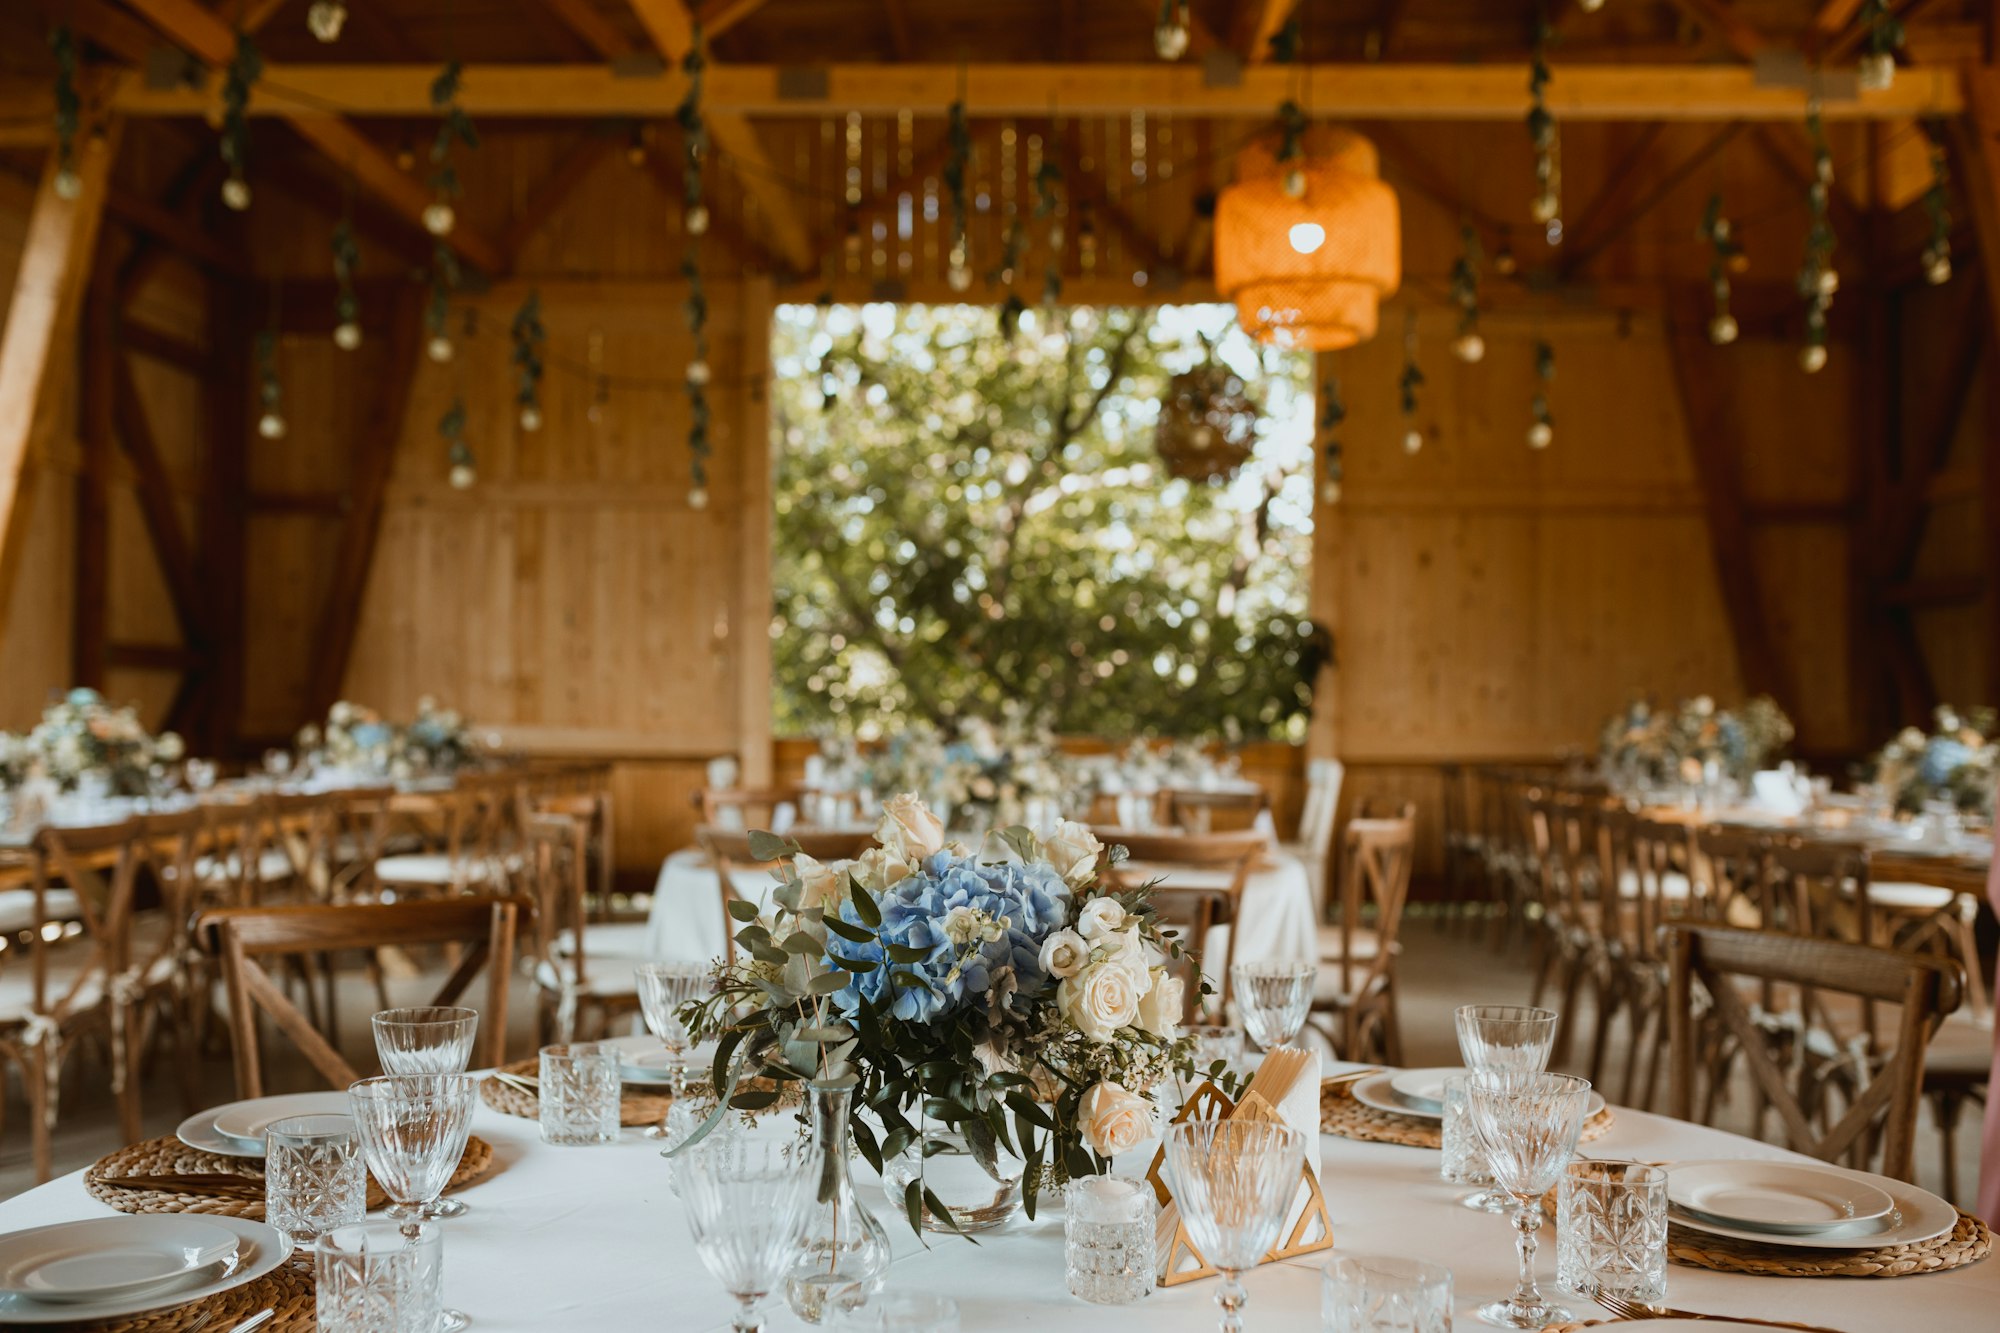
(1787, 1198)
(259, 1249)
(109, 1257)
(1423, 1089)
(205, 1129)
(1378, 1093)
(1918, 1216)
(642, 1060)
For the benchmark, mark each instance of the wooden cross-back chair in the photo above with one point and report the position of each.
(1880, 1117)
(583, 796)
(1734, 878)
(1646, 861)
(1317, 824)
(573, 996)
(244, 938)
(1931, 903)
(475, 842)
(1571, 951)
(729, 850)
(1356, 989)
(1202, 878)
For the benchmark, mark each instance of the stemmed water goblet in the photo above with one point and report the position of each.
(663, 989)
(1529, 1123)
(1502, 1038)
(413, 1129)
(746, 1203)
(427, 1039)
(1273, 999)
(1234, 1181)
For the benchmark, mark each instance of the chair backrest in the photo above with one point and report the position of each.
(1733, 866)
(243, 937)
(1640, 856)
(1197, 811)
(99, 865)
(729, 849)
(1317, 823)
(1376, 856)
(1884, 1091)
(1191, 910)
(744, 808)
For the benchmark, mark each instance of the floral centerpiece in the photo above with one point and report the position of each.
(17, 760)
(986, 776)
(1005, 999)
(354, 739)
(81, 735)
(1692, 743)
(1956, 762)
(437, 741)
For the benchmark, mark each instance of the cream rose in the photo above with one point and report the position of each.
(822, 883)
(878, 868)
(1099, 1000)
(907, 826)
(1100, 918)
(1064, 954)
(1114, 1119)
(1072, 850)
(168, 747)
(1160, 1007)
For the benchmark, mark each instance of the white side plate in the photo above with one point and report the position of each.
(199, 1130)
(259, 1249)
(109, 1257)
(1785, 1197)
(1423, 1089)
(1917, 1215)
(1378, 1093)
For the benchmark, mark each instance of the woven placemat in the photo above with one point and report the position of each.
(635, 1107)
(170, 1157)
(1340, 1113)
(287, 1289)
(1967, 1243)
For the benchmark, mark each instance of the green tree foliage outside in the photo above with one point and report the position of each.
(975, 525)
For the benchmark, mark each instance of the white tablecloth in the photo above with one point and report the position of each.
(1278, 921)
(575, 1238)
(686, 923)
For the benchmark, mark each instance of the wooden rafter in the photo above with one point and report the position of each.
(1834, 15)
(1598, 237)
(581, 158)
(157, 504)
(587, 21)
(1975, 142)
(374, 454)
(90, 623)
(1736, 32)
(719, 16)
(1416, 169)
(198, 176)
(897, 19)
(61, 237)
(670, 26)
(1619, 185)
(1257, 22)
(100, 22)
(209, 39)
(177, 233)
(1335, 91)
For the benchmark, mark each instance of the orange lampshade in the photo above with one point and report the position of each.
(1309, 271)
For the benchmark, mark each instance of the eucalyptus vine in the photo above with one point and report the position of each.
(454, 128)
(451, 427)
(245, 69)
(437, 309)
(1723, 251)
(1048, 208)
(1468, 346)
(529, 340)
(959, 140)
(1817, 280)
(270, 390)
(69, 113)
(346, 305)
(694, 145)
(1937, 206)
(1408, 383)
(1547, 205)
(1542, 429)
(1884, 29)
(1332, 413)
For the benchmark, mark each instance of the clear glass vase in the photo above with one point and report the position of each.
(843, 1251)
(981, 1192)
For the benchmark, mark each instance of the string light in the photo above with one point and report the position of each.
(1723, 250)
(1048, 208)
(1542, 430)
(270, 392)
(1877, 67)
(454, 127)
(437, 312)
(1547, 206)
(464, 472)
(245, 69)
(959, 137)
(1332, 412)
(346, 305)
(325, 19)
(1408, 383)
(69, 114)
(1937, 205)
(694, 144)
(1171, 31)
(1468, 346)
(529, 338)
(1817, 280)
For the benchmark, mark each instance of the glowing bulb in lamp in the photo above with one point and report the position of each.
(271, 426)
(698, 498)
(439, 349)
(463, 475)
(1413, 440)
(1722, 330)
(1541, 435)
(236, 193)
(1307, 237)
(68, 184)
(347, 335)
(439, 218)
(325, 19)
(1469, 348)
(1812, 358)
(531, 417)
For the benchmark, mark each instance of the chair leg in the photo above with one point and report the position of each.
(129, 1120)
(1392, 1029)
(37, 1081)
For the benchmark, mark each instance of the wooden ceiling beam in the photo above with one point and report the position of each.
(1834, 15)
(587, 21)
(719, 16)
(1597, 238)
(672, 28)
(579, 161)
(209, 39)
(898, 20)
(1257, 22)
(1346, 92)
(105, 25)
(1717, 17)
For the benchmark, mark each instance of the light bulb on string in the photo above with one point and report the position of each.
(1170, 33)
(1469, 348)
(695, 220)
(1413, 440)
(697, 372)
(325, 19)
(531, 418)
(1723, 329)
(347, 335)
(1541, 435)
(439, 218)
(439, 349)
(698, 498)
(1812, 358)
(236, 194)
(463, 476)
(68, 184)
(271, 426)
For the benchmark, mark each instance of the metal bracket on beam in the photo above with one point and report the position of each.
(169, 68)
(803, 83)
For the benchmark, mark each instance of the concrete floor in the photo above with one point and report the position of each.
(1440, 971)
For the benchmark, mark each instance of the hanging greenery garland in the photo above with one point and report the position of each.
(437, 312)
(454, 127)
(1723, 253)
(1170, 30)
(1048, 206)
(959, 139)
(346, 305)
(270, 392)
(694, 145)
(1542, 430)
(69, 114)
(1468, 346)
(1408, 383)
(244, 71)
(1817, 280)
(529, 340)
(1877, 68)
(1286, 42)
(1332, 412)
(1547, 206)
(451, 426)
(1937, 205)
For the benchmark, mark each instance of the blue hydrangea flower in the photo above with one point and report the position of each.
(1031, 900)
(1943, 756)
(370, 734)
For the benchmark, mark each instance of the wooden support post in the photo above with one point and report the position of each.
(156, 503)
(91, 627)
(1976, 143)
(217, 714)
(48, 294)
(374, 454)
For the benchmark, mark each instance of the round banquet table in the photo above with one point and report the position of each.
(576, 1238)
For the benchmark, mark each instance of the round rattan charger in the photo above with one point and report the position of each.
(287, 1290)
(180, 1179)
(1340, 1113)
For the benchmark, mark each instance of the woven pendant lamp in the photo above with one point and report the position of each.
(1307, 248)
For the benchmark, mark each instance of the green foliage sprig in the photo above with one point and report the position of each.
(1542, 131)
(1468, 346)
(69, 111)
(529, 340)
(245, 69)
(444, 277)
(1817, 280)
(455, 128)
(958, 137)
(1937, 206)
(270, 390)
(458, 454)
(1884, 38)
(1723, 250)
(694, 146)
(346, 305)
(1332, 412)
(1408, 383)
(1541, 429)
(1048, 208)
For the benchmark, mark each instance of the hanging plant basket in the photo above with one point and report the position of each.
(1208, 424)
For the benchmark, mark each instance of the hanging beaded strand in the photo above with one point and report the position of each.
(694, 147)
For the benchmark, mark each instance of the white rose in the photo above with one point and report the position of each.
(1064, 954)
(1099, 918)
(1072, 850)
(1129, 951)
(168, 747)
(1099, 1000)
(1160, 1007)
(1114, 1120)
(822, 883)
(879, 868)
(907, 826)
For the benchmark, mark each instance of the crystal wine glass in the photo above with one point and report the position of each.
(413, 1129)
(746, 1202)
(663, 989)
(1503, 1038)
(1273, 998)
(1234, 1181)
(427, 1039)
(1529, 1123)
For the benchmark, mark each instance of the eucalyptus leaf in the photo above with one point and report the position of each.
(829, 982)
(906, 953)
(768, 846)
(743, 909)
(864, 904)
(847, 930)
